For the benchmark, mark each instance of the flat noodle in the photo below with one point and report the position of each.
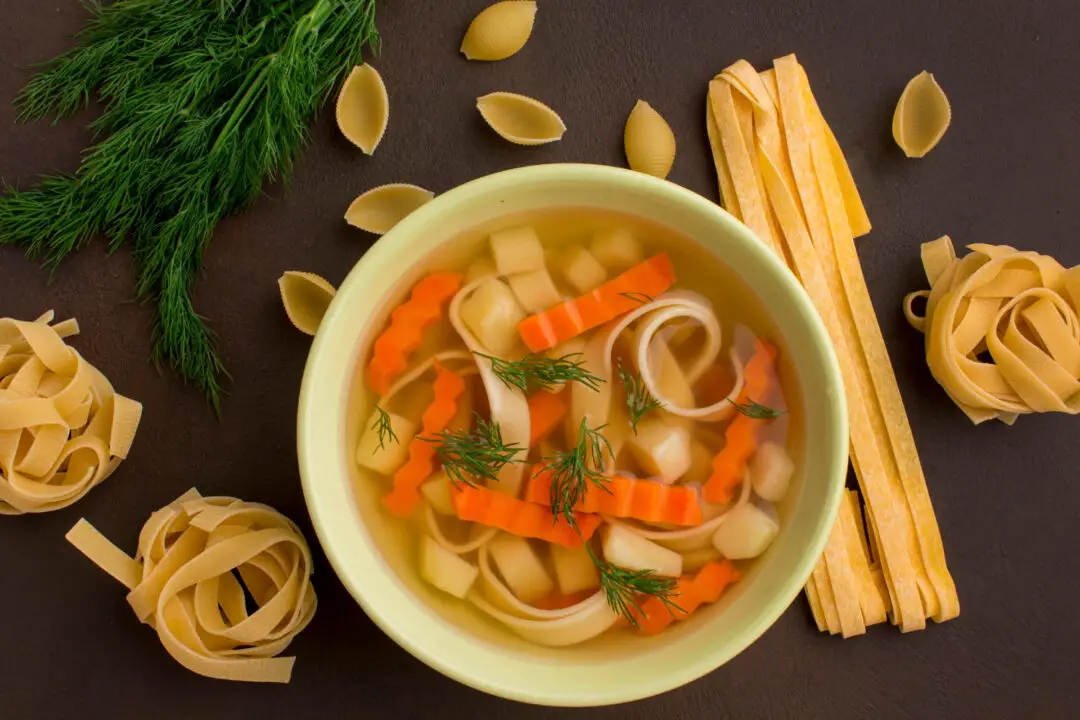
(593, 617)
(825, 596)
(182, 584)
(500, 596)
(844, 588)
(815, 605)
(873, 610)
(1022, 309)
(63, 430)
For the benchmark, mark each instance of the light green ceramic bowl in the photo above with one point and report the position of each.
(375, 557)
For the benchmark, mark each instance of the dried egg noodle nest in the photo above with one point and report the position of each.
(381, 208)
(520, 119)
(686, 539)
(676, 305)
(306, 296)
(509, 407)
(183, 585)
(363, 108)
(922, 116)
(1021, 309)
(499, 30)
(63, 430)
(648, 141)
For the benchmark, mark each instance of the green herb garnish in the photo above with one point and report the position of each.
(757, 411)
(623, 587)
(383, 427)
(638, 297)
(639, 400)
(573, 471)
(468, 456)
(204, 101)
(539, 372)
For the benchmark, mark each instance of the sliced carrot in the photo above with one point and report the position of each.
(743, 434)
(517, 517)
(405, 495)
(557, 601)
(408, 322)
(546, 411)
(626, 497)
(705, 587)
(612, 299)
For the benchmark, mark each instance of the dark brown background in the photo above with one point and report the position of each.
(1007, 499)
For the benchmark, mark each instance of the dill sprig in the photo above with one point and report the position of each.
(623, 587)
(573, 471)
(383, 427)
(539, 372)
(471, 455)
(639, 400)
(204, 103)
(757, 411)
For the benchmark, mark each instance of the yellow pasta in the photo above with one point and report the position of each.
(381, 208)
(363, 108)
(648, 141)
(306, 296)
(196, 560)
(63, 429)
(520, 119)
(1021, 309)
(922, 116)
(499, 31)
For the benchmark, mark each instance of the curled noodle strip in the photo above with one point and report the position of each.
(1002, 330)
(63, 430)
(184, 584)
(500, 596)
(480, 536)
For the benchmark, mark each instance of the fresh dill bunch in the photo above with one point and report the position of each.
(757, 411)
(471, 455)
(383, 428)
(623, 587)
(574, 470)
(204, 103)
(639, 400)
(539, 372)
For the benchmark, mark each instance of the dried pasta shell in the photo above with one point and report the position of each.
(922, 116)
(520, 119)
(648, 141)
(305, 297)
(383, 207)
(363, 108)
(499, 31)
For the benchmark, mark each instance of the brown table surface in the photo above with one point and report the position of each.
(1007, 498)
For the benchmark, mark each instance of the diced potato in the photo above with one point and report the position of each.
(662, 449)
(582, 270)
(481, 267)
(770, 470)
(574, 569)
(617, 249)
(521, 568)
(492, 314)
(701, 458)
(387, 459)
(437, 492)
(517, 250)
(535, 290)
(445, 570)
(745, 533)
(629, 550)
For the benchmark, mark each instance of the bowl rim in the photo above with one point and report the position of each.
(835, 457)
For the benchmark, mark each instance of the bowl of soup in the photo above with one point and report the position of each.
(572, 435)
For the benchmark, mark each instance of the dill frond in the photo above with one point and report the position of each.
(472, 455)
(539, 372)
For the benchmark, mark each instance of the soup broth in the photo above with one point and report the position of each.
(577, 423)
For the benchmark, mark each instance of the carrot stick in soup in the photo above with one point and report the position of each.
(517, 517)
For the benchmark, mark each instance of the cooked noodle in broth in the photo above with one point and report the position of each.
(580, 419)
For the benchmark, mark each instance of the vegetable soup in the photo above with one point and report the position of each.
(580, 421)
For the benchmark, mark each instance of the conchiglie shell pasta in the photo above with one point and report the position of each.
(383, 207)
(305, 297)
(499, 31)
(520, 119)
(649, 142)
(363, 108)
(922, 116)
